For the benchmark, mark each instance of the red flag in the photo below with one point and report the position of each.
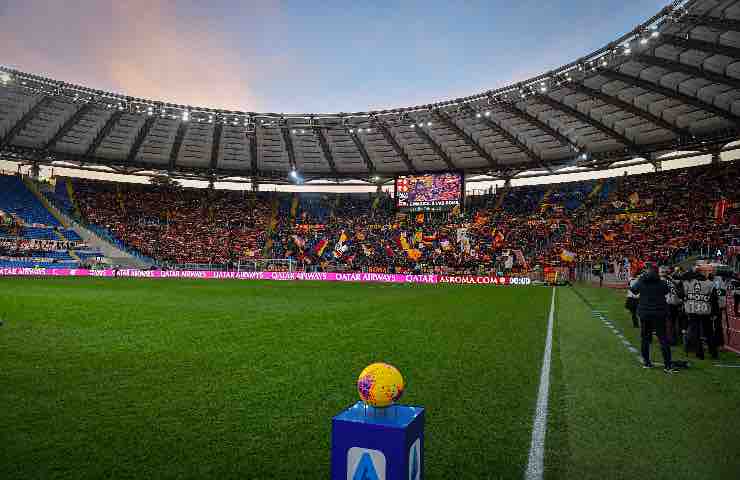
(719, 210)
(318, 249)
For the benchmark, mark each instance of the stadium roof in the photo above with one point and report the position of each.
(672, 84)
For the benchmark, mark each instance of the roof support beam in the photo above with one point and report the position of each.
(523, 114)
(289, 146)
(218, 129)
(667, 92)
(694, 44)
(687, 69)
(363, 153)
(139, 140)
(588, 120)
(627, 107)
(254, 152)
(513, 139)
(437, 148)
(393, 143)
(327, 151)
(450, 123)
(109, 125)
(23, 121)
(67, 126)
(179, 136)
(714, 22)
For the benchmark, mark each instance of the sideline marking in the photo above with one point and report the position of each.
(601, 315)
(536, 463)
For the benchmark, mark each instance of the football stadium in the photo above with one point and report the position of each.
(537, 280)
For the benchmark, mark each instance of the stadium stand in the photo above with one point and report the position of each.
(663, 217)
(17, 200)
(30, 236)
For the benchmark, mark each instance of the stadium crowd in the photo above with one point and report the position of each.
(615, 224)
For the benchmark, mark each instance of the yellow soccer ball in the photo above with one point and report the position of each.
(380, 385)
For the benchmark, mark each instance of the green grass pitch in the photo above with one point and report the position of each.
(208, 379)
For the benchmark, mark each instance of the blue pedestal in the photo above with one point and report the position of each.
(378, 444)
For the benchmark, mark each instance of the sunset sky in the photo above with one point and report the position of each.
(304, 56)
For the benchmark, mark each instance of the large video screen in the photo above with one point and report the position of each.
(430, 190)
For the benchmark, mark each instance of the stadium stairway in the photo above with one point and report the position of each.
(42, 200)
(72, 199)
(596, 190)
(546, 197)
(94, 241)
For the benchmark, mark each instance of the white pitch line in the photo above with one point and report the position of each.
(536, 463)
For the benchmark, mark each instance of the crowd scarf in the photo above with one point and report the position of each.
(414, 254)
(342, 237)
(418, 237)
(337, 202)
(340, 250)
(294, 207)
(119, 200)
(320, 247)
(404, 243)
(567, 256)
(634, 198)
(719, 210)
(268, 247)
(376, 202)
(480, 219)
(273, 224)
(251, 200)
(498, 238)
(299, 241)
(389, 251)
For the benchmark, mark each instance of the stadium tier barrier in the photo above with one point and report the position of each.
(289, 276)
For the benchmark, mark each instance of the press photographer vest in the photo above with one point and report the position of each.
(698, 297)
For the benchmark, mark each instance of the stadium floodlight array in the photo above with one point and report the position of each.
(377, 126)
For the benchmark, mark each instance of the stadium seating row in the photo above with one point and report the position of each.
(658, 216)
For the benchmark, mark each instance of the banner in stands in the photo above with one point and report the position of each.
(290, 276)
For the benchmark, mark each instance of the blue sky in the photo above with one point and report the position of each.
(303, 56)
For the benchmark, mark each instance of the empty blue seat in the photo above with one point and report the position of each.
(16, 199)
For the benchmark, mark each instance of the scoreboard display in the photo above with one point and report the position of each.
(429, 190)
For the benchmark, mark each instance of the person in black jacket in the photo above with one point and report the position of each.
(653, 311)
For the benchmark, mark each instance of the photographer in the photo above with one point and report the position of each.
(653, 310)
(674, 306)
(700, 303)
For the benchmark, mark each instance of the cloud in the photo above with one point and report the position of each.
(137, 47)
